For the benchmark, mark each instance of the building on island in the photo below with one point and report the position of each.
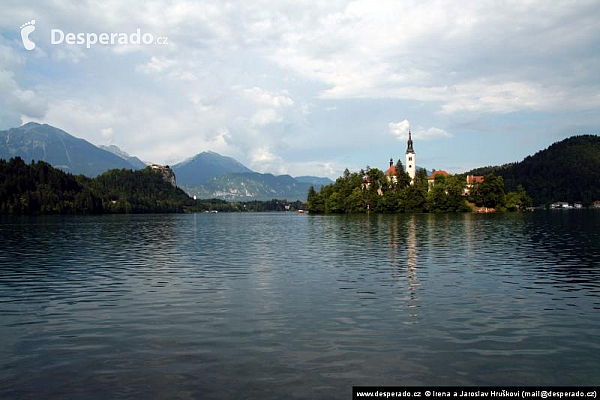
(391, 173)
(473, 180)
(410, 166)
(434, 174)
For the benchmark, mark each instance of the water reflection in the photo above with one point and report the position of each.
(411, 264)
(266, 304)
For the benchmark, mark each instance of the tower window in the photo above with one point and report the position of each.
(410, 166)
(409, 158)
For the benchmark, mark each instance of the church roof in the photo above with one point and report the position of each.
(391, 170)
(438, 173)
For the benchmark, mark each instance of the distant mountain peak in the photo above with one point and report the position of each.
(115, 150)
(42, 142)
(134, 161)
(203, 166)
(30, 124)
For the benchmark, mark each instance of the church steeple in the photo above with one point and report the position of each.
(411, 159)
(409, 149)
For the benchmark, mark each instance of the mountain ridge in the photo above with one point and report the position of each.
(203, 166)
(33, 141)
(43, 142)
(134, 161)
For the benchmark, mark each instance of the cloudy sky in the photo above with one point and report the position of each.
(305, 87)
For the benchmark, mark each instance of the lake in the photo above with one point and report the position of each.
(280, 304)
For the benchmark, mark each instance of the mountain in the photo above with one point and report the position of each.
(204, 166)
(136, 162)
(33, 141)
(250, 186)
(568, 170)
(314, 180)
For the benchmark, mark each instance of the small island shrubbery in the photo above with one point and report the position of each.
(373, 191)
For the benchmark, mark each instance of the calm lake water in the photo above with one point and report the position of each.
(242, 305)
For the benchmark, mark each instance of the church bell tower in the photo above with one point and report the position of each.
(411, 159)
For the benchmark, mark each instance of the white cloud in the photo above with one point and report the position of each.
(16, 103)
(156, 65)
(330, 169)
(259, 80)
(71, 53)
(265, 117)
(107, 133)
(400, 131)
(430, 134)
(465, 58)
(266, 98)
(263, 160)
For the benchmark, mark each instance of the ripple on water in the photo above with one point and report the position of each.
(273, 304)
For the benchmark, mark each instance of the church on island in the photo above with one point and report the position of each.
(411, 169)
(411, 163)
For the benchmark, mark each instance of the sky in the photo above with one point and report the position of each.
(305, 87)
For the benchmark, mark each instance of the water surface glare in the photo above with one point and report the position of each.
(280, 304)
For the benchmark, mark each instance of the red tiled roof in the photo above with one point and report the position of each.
(391, 170)
(437, 173)
(471, 179)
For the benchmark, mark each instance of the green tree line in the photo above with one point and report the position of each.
(371, 191)
(39, 188)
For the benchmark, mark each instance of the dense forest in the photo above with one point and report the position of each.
(372, 191)
(568, 170)
(39, 188)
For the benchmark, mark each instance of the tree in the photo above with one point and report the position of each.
(334, 204)
(355, 203)
(517, 200)
(402, 178)
(491, 192)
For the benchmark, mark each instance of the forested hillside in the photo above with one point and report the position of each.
(38, 188)
(568, 170)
